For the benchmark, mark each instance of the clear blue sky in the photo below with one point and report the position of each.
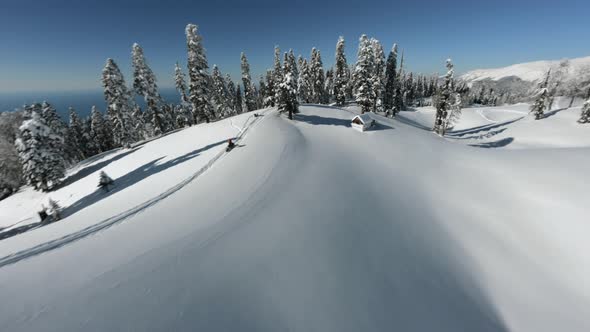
(62, 45)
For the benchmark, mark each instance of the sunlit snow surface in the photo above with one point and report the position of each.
(309, 225)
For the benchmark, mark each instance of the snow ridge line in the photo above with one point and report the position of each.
(62, 241)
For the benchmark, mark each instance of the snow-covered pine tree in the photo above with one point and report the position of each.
(181, 117)
(410, 88)
(269, 100)
(249, 95)
(144, 84)
(180, 83)
(104, 181)
(277, 74)
(293, 64)
(304, 83)
(378, 74)
(10, 165)
(316, 73)
(585, 116)
(363, 72)
(541, 98)
(118, 102)
(340, 73)
(444, 101)
(398, 96)
(157, 121)
(231, 94)
(54, 210)
(262, 93)
(41, 152)
(238, 101)
(140, 131)
(199, 90)
(218, 93)
(92, 147)
(390, 81)
(76, 146)
(329, 88)
(455, 114)
(99, 131)
(287, 101)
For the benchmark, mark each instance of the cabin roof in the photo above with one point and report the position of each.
(364, 118)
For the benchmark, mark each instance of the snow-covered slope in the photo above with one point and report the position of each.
(312, 226)
(535, 71)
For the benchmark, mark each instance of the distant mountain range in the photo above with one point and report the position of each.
(568, 76)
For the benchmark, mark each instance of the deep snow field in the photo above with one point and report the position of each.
(309, 225)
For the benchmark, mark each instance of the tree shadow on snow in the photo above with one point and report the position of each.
(495, 144)
(137, 175)
(412, 123)
(483, 135)
(84, 172)
(475, 130)
(552, 113)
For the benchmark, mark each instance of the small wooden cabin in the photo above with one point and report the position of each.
(362, 122)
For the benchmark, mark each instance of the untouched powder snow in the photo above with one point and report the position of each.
(309, 225)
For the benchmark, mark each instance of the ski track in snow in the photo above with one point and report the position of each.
(103, 224)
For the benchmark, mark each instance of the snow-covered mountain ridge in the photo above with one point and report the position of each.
(566, 69)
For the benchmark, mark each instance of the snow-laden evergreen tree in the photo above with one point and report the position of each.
(219, 93)
(180, 83)
(287, 101)
(277, 73)
(238, 101)
(249, 95)
(231, 93)
(41, 152)
(304, 87)
(119, 107)
(53, 209)
(541, 98)
(329, 88)
(92, 147)
(10, 166)
(105, 181)
(455, 113)
(141, 130)
(378, 74)
(316, 73)
(157, 122)
(262, 93)
(293, 64)
(144, 81)
(390, 80)
(199, 90)
(444, 101)
(340, 73)
(269, 99)
(76, 145)
(99, 131)
(585, 117)
(182, 116)
(364, 75)
(169, 117)
(398, 95)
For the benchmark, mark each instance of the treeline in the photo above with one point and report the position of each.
(39, 145)
(36, 145)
